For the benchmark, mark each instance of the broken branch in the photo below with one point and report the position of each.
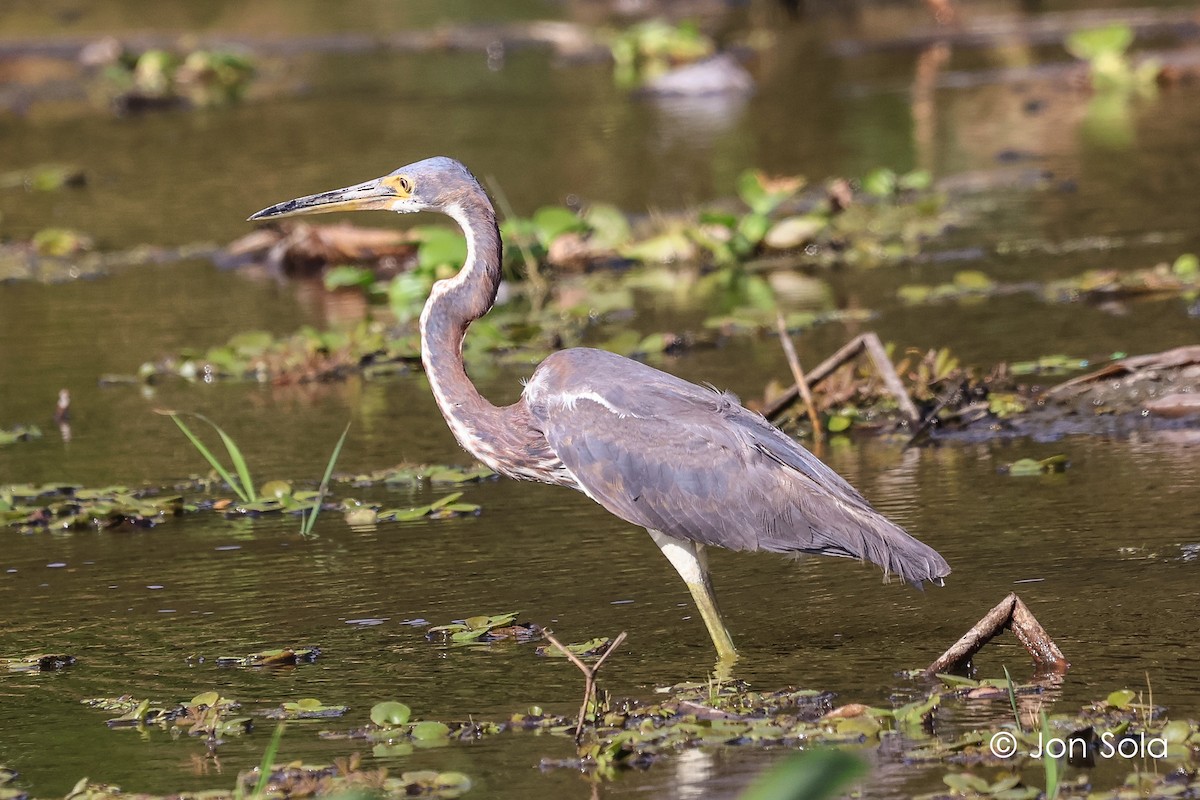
(789, 352)
(1009, 613)
(589, 674)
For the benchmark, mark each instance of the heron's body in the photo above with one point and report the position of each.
(688, 463)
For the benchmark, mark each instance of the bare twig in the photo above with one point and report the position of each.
(589, 674)
(887, 371)
(789, 351)
(863, 343)
(1009, 613)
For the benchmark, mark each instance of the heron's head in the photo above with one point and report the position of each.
(435, 184)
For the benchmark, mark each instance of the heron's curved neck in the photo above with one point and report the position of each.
(452, 306)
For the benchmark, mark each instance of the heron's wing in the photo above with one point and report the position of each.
(670, 456)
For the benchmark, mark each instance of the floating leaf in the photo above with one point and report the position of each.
(553, 221)
(430, 730)
(390, 713)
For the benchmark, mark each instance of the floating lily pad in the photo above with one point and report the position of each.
(390, 713)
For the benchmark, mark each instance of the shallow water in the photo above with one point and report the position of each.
(1099, 552)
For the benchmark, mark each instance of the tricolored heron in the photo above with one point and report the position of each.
(687, 463)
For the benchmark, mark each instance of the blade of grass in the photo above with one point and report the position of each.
(268, 761)
(307, 525)
(1012, 700)
(1049, 762)
(209, 457)
(239, 462)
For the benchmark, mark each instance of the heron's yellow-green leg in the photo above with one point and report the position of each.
(690, 562)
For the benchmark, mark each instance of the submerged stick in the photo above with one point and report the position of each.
(589, 674)
(789, 352)
(1009, 613)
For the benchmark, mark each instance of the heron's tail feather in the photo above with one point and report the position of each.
(869, 536)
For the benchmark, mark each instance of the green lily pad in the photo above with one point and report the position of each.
(390, 713)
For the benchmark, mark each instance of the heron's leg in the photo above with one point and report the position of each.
(689, 561)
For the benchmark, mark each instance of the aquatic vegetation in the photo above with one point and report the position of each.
(310, 519)
(1104, 50)
(307, 708)
(1026, 467)
(277, 495)
(344, 778)
(615, 734)
(45, 178)
(813, 775)
(447, 507)
(19, 433)
(279, 657)
(208, 714)
(60, 242)
(39, 662)
(592, 648)
(485, 629)
(650, 48)
(243, 484)
(1180, 278)
(776, 224)
(732, 238)
(414, 474)
(32, 508)
(66, 255)
(160, 79)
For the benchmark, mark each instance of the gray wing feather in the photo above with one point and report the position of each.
(671, 456)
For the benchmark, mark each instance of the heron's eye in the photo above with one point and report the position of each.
(400, 184)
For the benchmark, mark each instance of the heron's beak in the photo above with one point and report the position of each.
(372, 194)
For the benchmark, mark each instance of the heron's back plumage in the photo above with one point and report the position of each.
(691, 462)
